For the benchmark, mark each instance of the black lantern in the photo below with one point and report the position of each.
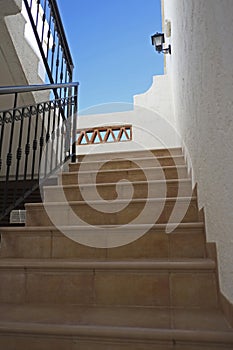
(158, 40)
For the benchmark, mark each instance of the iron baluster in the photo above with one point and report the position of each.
(47, 141)
(1, 139)
(41, 140)
(43, 21)
(35, 143)
(19, 153)
(57, 62)
(53, 52)
(37, 13)
(27, 148)
(48, 36)
(74, 126)
(53, 136)
(9, 154)
(58, 132)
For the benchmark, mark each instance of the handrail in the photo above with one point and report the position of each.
(6, 90)
(51, 39)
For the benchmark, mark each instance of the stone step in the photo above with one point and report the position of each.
(158, 283)
(186, 241)
(134, 175)
(123, 190)
(103, 328)
(132, 162)
(117, 212)
(131, 154)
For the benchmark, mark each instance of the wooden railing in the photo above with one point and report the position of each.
(104, 134)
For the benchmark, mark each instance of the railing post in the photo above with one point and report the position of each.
(74, 123)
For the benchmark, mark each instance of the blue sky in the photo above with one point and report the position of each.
(111, 47)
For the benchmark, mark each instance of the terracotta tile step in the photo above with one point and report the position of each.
(161, 283)
(186, 241)
(134, 154)
(124, 190)
(117, 212)
(131, 162)
(133, 174)
(63, 328)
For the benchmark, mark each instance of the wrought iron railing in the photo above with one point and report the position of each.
(35, 139)
(48, 29)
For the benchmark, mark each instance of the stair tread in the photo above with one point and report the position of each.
(124, 170)
(172, 151)
(147, 322)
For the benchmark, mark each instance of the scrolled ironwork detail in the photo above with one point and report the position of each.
(34, 145)
(9, 159)
(19, 153)
(18, 114)
(27, 148)
(8, 118)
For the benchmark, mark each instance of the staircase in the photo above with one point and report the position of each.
(157, 292)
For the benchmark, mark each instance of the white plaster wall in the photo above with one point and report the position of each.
(158, 98)
(20, 63)
(152, 120)
(201, 72)
(150, 130)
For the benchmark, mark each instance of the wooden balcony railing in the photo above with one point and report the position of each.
(104, 134)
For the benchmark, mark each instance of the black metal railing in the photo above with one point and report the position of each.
(35, 139)
(48, 29)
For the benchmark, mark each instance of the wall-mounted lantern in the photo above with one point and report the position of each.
(157, 41)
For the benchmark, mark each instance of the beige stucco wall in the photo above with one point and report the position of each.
(201, 72)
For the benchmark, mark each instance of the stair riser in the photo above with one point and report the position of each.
(157, 190)
(71, 215)
(153, 244)
(127, 164)
(131, 175)
(147, 287)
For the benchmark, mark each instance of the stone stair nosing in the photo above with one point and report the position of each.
(81, 333)
(171, 152)
(130, 335)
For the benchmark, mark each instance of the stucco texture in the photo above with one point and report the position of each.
(201, 71)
